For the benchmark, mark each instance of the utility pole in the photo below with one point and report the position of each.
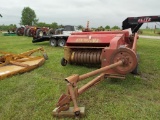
(155, 29)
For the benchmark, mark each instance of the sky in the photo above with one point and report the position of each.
(78, 12)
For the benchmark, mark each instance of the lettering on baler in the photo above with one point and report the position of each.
(81, 40)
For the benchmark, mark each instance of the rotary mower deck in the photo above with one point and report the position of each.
(11, 64)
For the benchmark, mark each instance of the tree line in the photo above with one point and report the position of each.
(29, 18)
(7, 27)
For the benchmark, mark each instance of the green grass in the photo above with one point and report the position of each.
(150, 32)
(33, 95)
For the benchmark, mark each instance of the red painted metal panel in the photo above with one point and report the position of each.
(98, 39)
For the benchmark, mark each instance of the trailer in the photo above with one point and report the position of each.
(136, 22)
(59, 37)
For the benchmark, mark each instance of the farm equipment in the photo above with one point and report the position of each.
(32, 31)
(11, 64)
(58, 38)
(10, 32)
(20, 31)
(87, 47)
(37, 31)
(114, 51)
(26, 29)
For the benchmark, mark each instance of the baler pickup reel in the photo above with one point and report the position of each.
(116, 63)
(11, 63)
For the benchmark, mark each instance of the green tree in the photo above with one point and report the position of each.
(8, 27)
(28, 17)
(100, 28)
(80, 27)
(107, 27)
(54, 25)
(41, 24)
(115, 27)
(60, 26)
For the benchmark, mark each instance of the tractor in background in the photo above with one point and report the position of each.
(57, 37)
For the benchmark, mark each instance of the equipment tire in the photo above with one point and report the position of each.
(29, 34)
(63, 62)
(25, 31)
(136, 70)
(53, 42)
(61, 42)
(19, 31)
(51, 31)
(39, 33)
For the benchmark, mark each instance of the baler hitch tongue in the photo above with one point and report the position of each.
(63, 108)
(122, 61)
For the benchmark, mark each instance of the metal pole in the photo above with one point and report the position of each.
(87, 75)
(135, 42)
(90, 84)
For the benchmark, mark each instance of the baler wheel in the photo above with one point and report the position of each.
(63, 62)
(129, 57)
(61, 42)
(77, 113)
(136, 70)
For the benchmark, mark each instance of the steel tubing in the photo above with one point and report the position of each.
(103, 69)
(135, 42)
(90, 84)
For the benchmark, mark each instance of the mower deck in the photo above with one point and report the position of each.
(11, 64)
(10, 69)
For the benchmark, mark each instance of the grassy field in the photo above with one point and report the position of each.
(150, 32)
(33, 95)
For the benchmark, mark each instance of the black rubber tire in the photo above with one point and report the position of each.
(19, 31)
(51, 31)
(136, 70)
(25, 31)
(77, 113)
(63, 62)
(39, 33)
(53, 42)
(61, 42)
(29, 34)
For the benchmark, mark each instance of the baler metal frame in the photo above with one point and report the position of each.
(122, 57)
